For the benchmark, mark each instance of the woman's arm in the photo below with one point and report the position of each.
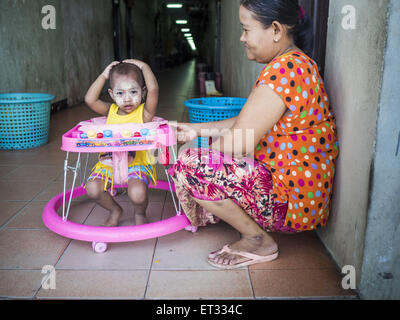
(263, 109)
(93, 94)
(150, 106)
(207, 129)
(188, 131)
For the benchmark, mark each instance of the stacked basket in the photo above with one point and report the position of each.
(24, 120)
(213, 109)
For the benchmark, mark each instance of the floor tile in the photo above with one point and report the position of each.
(6, 170)
(18, 157)
(233, 284)
(9, 209)
(20, 283)
(30, 249)
(57, 187)
(317, 283)
(31, 216)
(184, 250)
(118, 256)
(24, 190)
(298, 251)
(34, 173)
(75, 284)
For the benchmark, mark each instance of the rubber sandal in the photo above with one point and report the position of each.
(213, 254)
(253, 259)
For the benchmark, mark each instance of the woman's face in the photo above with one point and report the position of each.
(259, 42)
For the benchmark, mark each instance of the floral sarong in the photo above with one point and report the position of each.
(207, 175)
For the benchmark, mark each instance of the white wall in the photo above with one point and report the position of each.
(381, 264)
(353, 77)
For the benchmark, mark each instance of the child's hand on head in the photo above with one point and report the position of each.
(106, 72)
(139, 63)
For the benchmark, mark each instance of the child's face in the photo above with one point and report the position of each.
(127, 93)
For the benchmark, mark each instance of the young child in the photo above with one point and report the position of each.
(134, 90)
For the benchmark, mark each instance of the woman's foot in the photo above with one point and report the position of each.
(140, 219)
(260, 245)
(113, 219)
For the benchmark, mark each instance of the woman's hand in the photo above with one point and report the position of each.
(185, 132)
(136, 62)
(106, 72)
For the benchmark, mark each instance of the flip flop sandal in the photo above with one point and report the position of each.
(253, 258)
(213, 254)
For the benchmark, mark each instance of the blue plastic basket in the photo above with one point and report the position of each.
(213, 109)
(24, 120)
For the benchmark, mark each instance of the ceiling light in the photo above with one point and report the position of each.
(174, 5)
(192, 45)
(185, 30)
(181, 21)
(187, 34)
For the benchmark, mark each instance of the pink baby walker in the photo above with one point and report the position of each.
(94, 136)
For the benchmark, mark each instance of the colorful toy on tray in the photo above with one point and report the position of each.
(96, 136)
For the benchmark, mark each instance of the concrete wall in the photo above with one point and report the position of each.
(239, 74)
(206, 47)
(143, 15)
(353, 80)
(65, 61)
(88, 46)
(381, 263)
(31, 59)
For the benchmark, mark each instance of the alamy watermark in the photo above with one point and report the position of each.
(349, 280)
(49, 20)
(349, 21)
(49, 280)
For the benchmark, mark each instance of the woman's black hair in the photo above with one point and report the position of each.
(286, 12)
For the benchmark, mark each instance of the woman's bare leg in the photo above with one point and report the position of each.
(253, 238)
(95, 191)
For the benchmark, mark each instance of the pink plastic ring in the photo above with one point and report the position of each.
(77, 231)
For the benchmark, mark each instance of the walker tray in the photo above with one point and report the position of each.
(95, 135)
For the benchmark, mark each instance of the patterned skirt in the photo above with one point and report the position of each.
(211, 176)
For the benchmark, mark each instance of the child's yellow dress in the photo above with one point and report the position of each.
(142, 165)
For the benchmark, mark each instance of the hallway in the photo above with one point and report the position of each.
(170, 267)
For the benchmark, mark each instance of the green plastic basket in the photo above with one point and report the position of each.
(24, 120)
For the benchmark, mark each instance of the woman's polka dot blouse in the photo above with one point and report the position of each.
(301, 148)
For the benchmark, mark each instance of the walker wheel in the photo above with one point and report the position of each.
(99, 247)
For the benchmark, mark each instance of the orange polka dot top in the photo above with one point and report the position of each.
(301, 148)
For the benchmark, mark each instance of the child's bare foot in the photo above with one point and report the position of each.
(113, 219)
(140, 219)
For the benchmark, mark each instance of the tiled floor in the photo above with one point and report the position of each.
(170, 267)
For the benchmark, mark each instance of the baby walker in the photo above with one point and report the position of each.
(94, 136)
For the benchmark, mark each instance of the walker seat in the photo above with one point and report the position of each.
(94, 136)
